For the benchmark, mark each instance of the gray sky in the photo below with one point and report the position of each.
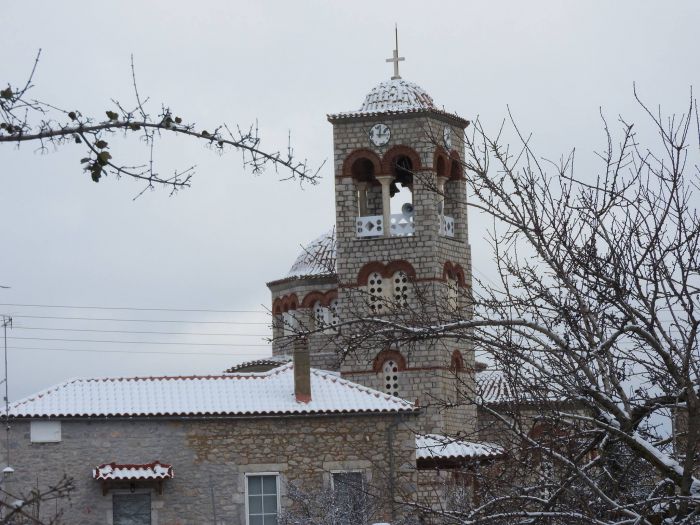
(68, 241)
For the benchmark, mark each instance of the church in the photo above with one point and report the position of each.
(320, 418)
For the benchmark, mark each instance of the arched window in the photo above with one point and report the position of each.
(320, 315)
(290, 323)
(376, 290)
(390, 375)
(452, 293)
(401, 193)
(399, 283)
(334, 313)
(326, 317)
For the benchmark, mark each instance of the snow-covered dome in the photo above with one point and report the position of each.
(316, 258)
(397, 95)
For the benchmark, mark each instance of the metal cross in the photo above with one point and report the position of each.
(396, 58)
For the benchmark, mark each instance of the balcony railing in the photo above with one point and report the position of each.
(447, 226)
(401, 225)
(373, 225)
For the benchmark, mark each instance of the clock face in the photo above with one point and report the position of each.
(379, 134)
(447, 137)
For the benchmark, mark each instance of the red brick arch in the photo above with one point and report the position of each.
(456, 168)
(441, 162)
(325, 298)
(285, 304)
(360, 154)
(457, 361)
(384, 356)
(400, 151)
(385, 270)
(452, 270)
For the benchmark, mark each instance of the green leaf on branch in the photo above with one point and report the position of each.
(103, 158)
(96, 172)
(178, 120)
(101, 144)
(84, 160)
(6, 93)
(134, 127)
(111, 115)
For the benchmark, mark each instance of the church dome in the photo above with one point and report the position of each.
(316, 258)
(396, 94)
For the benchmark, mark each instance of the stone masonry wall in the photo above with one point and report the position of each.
(210, 459)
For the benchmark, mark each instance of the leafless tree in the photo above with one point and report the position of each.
(592, 323)
(26, 119)
(31, 508)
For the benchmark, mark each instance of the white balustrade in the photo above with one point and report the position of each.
(370, 226)
(402, 224)
(447, 226)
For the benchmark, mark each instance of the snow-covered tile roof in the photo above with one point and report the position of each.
(231, 394)
(492, 387)
(317, 258)
(267, 363)
(435, 446)
(395, 96)
(114, 471)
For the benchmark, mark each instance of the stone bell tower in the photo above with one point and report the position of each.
(402, 244)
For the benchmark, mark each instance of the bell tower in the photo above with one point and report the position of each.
(402, 244)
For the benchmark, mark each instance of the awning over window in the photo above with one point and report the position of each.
(131, 472)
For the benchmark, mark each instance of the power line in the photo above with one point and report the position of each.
(133, 320)
(134, 308)
(134, 353)
(130, 342)
(206, 334)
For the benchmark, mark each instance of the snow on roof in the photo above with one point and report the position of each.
(240, 394)
(114, 471)
(435, 446)
(395, 96)
(271, 362)
(492, 387)
(316, 258)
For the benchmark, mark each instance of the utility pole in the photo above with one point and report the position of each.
(6, 321)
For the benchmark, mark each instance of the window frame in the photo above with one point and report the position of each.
(128, 492)
(364, 480)
(277, 488)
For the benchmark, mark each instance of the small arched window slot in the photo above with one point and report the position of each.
(376, 291)
(400, 289)
(390, 376)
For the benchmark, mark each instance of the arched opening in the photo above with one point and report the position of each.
(388, 365)
(401, 188)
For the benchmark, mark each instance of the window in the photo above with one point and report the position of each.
(131, 509)
(334, 314)
(350, 498)
(326, 316)
(400, 289)
(375, 289)
(452, 294)
(290, 323)
(45, 431)
(320, 315)
(391, 377)
(262, 500)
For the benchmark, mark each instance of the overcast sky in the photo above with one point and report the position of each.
(66, 241)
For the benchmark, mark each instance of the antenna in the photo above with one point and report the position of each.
(6, 321)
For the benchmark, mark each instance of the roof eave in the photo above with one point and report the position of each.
(372, 115)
